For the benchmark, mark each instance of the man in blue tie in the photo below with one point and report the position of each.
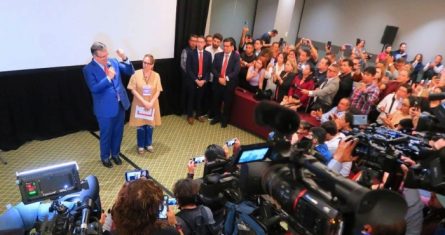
(110, 100)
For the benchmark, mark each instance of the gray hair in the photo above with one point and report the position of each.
(152, 59)
(97, 46)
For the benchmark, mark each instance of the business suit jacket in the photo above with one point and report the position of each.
(192, 65)
(345, 88)
(103, 91)
(232, 70)
(328, 92)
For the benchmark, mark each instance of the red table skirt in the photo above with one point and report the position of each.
(243, 114)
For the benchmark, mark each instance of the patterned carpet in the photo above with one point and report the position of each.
(175, 142)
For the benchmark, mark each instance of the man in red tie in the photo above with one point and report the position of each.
(226, 66)
(198, 66)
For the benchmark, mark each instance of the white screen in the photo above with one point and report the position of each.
(54, 33)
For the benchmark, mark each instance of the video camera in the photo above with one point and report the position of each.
(75, 206)
(381, 150)
(288, 185)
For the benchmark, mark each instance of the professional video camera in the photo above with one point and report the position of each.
(381, 150)
(285, 184)
(75, 206)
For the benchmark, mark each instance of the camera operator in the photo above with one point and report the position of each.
(193, 218)
(213, 153)
(344, 154)
(318, 146)
(137, 207)
(414, 216)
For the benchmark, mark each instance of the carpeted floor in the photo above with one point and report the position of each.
(175, 142)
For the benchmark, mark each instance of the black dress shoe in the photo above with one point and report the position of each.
(107, 163)
(214, 121)
(223, 124)
(117, 160)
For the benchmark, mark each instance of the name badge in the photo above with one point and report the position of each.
(146, 90)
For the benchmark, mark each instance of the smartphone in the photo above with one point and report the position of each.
(135, 174)
(163, 208)
(172, 201)
(358, 120)
(230, 142)
(329, 44)
(198, 159)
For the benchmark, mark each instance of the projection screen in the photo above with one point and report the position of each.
(53, 33)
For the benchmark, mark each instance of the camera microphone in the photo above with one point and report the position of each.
(86, 197)
(281, 119)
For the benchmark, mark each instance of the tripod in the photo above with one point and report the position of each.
(2, 160)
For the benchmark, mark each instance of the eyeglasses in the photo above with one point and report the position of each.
(332, 70)
(147, 63)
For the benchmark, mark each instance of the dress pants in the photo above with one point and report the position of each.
(194, 99)
(222, 94)
(208, 99)
(111, 131)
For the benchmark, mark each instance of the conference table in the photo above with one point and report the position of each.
(243, 114)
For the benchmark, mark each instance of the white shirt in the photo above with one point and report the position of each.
(213, 51)
(342, 168)
(333, 111)
(333, 143)
(386, 104)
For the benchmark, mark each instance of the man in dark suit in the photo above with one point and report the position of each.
(190, 47)
(198, 66)
(110, 100)
(226, 66)
(346, 82)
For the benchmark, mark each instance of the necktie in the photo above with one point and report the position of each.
(224, 67)
(200, 65)
(106, 69)
(321, 87)
(392, 103)
(323, 84)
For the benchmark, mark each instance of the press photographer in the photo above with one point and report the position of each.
(215, 159)
(140, 208)
(401, 162)
(192, 217)
(283, 184)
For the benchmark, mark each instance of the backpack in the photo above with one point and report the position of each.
(196, 223)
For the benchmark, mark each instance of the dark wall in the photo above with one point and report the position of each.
(47, 103)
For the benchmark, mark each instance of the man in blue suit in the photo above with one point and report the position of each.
(110, 100)
(226, 66)
(198, 66)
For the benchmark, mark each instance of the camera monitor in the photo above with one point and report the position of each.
(49, 182)
(253, 153)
